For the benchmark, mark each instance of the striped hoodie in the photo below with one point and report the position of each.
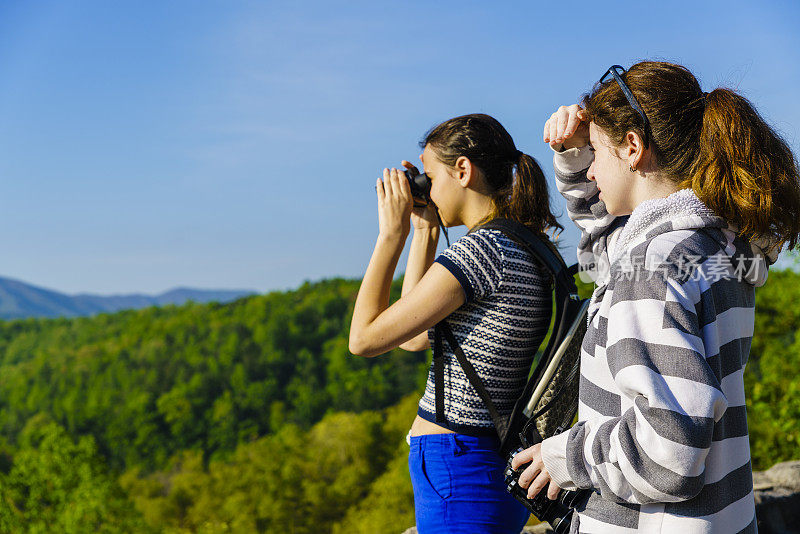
(662, 434)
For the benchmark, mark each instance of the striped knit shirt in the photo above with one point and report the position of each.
(499, 327)
(662, 433)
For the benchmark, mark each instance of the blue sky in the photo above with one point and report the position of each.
(146, 145)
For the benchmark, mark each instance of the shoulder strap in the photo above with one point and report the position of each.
(438, 374)
(538, 245)
(500, 423)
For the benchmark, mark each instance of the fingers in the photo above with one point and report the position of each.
(541, 480)
(379, 189)
(572, 123)
(577, 116)
(401, 187)
(546, 133)
(561, 124)
(529, 474)
(395, 185)
(387, 182)
(554, 128)
(522, 458)
(552, 490)
(408, 165)
(530, 455)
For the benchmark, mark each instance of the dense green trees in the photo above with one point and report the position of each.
(54, 484)
(771, 378)
(147, 384)
(290, 481)
(254, 417)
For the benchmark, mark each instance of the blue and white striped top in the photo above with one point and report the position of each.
(504, 319)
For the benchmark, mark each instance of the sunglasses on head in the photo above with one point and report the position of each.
(616, 71)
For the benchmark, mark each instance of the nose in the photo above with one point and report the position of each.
(590, 173)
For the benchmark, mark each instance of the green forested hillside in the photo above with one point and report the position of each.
(252, 416)
(147, 384)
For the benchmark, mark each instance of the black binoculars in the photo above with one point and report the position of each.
(420, 187)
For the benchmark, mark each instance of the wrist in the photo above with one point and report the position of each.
(573, 160)
(573, 142)
(428, 232)
(392, 237)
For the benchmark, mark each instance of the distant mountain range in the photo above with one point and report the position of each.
(18, 300)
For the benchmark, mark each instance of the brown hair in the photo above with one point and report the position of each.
(517, 184)
(716, 143)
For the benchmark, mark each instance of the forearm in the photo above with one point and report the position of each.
(581, 194)
(373, 296)
(420, 256)
(598, 228)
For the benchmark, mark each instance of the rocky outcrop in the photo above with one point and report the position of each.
(778, 498)
(537, 529)
(777, 501)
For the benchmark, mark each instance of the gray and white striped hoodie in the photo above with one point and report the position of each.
(662, 433)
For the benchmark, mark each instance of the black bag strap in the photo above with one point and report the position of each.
(438, 375)
(500, 422)
(538, 245)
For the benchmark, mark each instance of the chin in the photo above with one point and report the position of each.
(612, 209)
(618, 212)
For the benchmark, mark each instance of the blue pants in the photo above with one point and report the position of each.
(459, 487)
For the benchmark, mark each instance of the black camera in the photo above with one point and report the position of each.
(558, 512)
(420, 187)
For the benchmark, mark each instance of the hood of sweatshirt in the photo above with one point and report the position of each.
(682, 210)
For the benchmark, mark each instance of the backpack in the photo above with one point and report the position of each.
(549, 401)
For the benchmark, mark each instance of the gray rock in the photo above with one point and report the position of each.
(777, 492)
(784, 474)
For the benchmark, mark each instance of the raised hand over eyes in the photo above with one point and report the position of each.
(567, 127)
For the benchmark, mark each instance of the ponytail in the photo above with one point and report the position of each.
(715, 143)
(516, 183)
(744, 171)
(526, 199)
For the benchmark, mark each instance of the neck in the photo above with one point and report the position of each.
(476, 210)
(653, 185)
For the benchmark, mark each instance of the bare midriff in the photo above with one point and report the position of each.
(422, 427)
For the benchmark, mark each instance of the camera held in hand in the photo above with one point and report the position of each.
(558, 512)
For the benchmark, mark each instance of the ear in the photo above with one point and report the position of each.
(464, 171)
(633, 149)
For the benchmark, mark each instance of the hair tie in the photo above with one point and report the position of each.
(518, 154)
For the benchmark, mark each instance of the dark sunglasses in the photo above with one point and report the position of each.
(617, 71)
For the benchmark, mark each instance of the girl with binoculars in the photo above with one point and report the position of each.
(495, 297)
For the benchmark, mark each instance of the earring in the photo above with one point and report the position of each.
(631, 168)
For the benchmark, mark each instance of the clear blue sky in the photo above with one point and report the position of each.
(146, 145)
